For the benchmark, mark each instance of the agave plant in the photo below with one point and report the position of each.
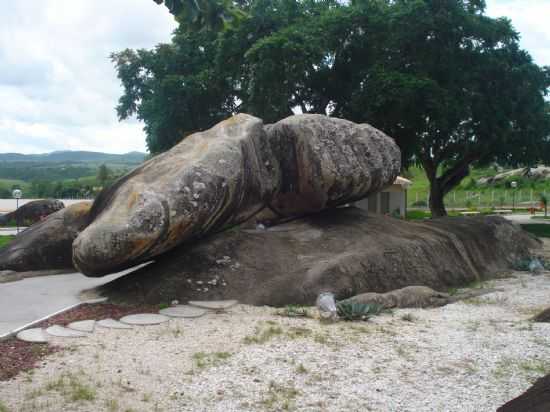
(349, 310)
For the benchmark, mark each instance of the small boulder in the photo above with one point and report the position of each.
(407, 297)
(535, 399)
(543, 316)
(46, 245)
(32, 212)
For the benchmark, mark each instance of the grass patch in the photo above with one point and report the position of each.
(418, 215)
(263, 335)
(293, 311)
(71, 388)
(280, 397)
(203, 360)
(537, 229)
(4, 241)
(531, 368)
(3, 408)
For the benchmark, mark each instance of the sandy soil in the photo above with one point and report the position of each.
(468, 356)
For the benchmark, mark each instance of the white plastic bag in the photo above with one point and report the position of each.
(327, 306)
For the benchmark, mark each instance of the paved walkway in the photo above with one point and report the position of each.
(526, 219)
(29, 300)
(7, 231)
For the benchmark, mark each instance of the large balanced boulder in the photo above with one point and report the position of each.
(46, 245)
(222, 177)
(32, 212)
(338, 250)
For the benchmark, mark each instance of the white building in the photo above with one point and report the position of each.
(391, 201)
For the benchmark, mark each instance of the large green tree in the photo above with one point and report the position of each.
(450, 84)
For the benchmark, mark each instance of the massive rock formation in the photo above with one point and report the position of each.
(535, 399)
(48, 244)
(339, 250)
(32, 212)
(222, 177)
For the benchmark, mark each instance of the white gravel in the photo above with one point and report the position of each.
(468, 356)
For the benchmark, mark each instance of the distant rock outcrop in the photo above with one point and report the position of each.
(222, 177)
(46, 245)
(340, 250)
(535, 173)
(32, 212)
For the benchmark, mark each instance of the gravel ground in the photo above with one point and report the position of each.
(468, 356)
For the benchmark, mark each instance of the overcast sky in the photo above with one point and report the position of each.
(58, 88)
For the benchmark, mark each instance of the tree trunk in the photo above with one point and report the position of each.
(437, 207)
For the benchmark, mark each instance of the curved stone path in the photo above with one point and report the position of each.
(83, 328)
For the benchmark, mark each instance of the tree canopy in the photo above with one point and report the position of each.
(450, 84)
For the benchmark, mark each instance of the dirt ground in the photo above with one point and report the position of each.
(468, 356)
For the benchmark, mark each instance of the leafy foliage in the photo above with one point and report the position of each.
(348, 310)
(450, 84)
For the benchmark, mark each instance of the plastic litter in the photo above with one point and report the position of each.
(536, 267)
(327, 306)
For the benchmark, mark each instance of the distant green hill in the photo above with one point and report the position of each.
(63, 165)
(75, 156)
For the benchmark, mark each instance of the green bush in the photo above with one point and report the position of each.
(357, 311)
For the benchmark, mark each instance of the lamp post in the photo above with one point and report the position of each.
(514, 185)
(17, 193)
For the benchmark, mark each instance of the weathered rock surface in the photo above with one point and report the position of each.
(32, 212)
(407, 297)
(543, 316)
(416, 297)
(222, 177)
(535, 399)
(326, 162)
(46, 245)
(340, 250)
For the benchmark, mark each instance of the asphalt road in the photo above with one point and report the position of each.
(28, 300)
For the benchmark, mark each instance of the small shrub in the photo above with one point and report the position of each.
(357, 311)
(408, 317)
(420, 203)
(293, 311)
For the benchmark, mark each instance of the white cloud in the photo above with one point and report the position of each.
(58, 88)
(530, 19)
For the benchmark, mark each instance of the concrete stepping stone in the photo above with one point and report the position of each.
(34, 335)
(87, 326)
(144, 319)
(63, 332)
(216, 305)
(112, 324)
(183, 311)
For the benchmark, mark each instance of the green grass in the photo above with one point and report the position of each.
(4, 240)
(471, 195)
(537, 229)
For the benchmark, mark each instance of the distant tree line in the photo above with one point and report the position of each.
(65, 189)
